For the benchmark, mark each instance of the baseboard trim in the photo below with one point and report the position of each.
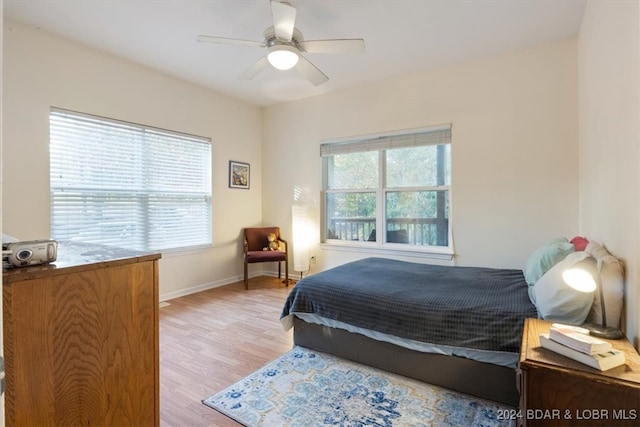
(199, 288)
(205, 286)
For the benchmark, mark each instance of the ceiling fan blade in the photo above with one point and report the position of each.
(333, 46)
(284, 20)
(224, 40)
(310, 71)
(253, 71)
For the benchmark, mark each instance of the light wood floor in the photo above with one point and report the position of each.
(212, 339)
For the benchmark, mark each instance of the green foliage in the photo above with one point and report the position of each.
(355, 170)
(354, 180)
(413, 204)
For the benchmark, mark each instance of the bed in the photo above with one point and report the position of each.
(456, 327)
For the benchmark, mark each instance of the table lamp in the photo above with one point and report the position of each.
(585, 276)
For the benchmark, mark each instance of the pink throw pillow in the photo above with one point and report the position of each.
(580, 243)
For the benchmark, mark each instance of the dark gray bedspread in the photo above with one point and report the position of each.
(472, 307)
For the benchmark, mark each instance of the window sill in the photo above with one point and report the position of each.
(191, 250)
(390, 249)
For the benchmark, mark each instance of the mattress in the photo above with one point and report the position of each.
(473, 312)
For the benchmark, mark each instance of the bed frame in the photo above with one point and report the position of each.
(484, 380)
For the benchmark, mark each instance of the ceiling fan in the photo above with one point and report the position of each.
(285, 46)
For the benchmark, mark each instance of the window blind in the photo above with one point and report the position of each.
(128, 185)
(429, 136)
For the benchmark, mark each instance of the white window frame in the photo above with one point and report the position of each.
(130, 185)
(432, 135)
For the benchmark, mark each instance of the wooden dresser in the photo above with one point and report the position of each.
(81, 339)
(558, 391)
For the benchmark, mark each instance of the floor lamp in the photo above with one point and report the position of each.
(301, 238)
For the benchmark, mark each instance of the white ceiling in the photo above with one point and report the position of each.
(401, 36)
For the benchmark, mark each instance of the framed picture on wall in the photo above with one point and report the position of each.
(238, 175)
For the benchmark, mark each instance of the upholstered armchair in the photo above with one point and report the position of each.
(255, 242)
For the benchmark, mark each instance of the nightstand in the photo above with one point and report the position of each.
(558, 391)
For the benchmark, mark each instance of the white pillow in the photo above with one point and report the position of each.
(612, 282)
(557, 301)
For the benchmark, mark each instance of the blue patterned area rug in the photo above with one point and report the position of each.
(309, 388)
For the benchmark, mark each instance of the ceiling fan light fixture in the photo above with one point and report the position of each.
(283, 57)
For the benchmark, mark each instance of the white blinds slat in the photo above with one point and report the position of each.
(128, 185)
(431, 136)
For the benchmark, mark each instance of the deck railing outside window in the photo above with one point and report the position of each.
(416, 231)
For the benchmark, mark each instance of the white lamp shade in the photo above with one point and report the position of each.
(283, 57)
(579, 279)
(302, 232)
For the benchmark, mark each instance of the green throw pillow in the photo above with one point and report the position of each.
(546, 257)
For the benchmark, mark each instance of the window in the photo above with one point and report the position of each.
(398, 183)
(128, 185)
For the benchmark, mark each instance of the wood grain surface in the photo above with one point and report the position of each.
(558, 391)
(82, 348)
(212, 339)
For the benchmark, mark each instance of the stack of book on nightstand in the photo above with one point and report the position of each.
(576, 343)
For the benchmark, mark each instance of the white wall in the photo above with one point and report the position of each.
(514, 148)
(609, 117)
(41, 70)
